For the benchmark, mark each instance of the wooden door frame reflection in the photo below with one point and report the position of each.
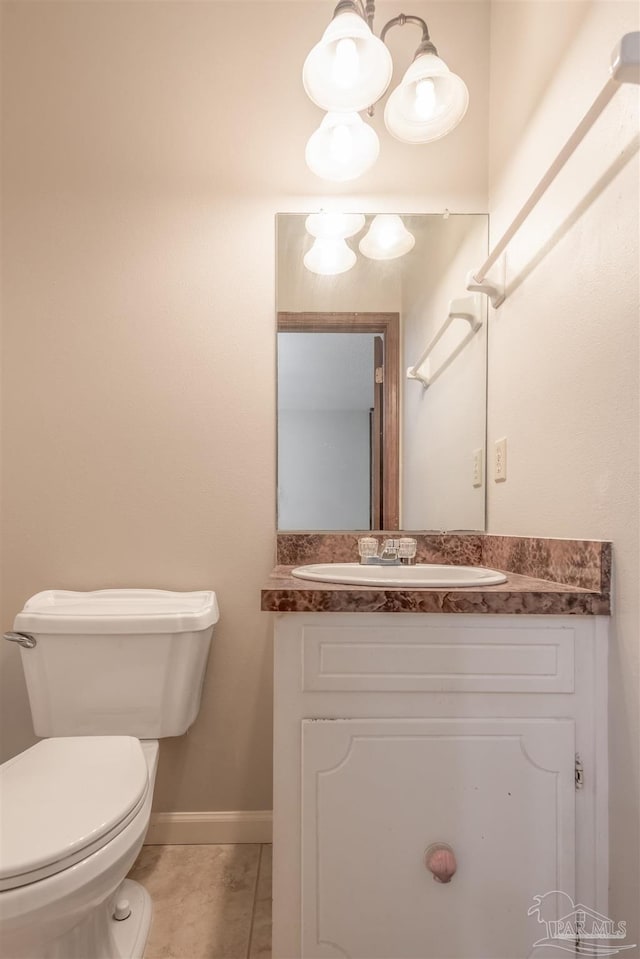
(387, 324)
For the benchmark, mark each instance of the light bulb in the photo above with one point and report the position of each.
(346, 63)
(425, 104)
(334, 225)
(328, 257)
(342, 148)
(350, 68)
(341, 143)
(429, 102)
(387, 238)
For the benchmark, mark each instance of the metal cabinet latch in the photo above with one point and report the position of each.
(579, 772)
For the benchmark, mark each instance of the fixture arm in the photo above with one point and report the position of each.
(426, 46)
(354, 6)
(370, 12)
(367, 10)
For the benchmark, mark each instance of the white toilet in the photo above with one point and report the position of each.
(108, 673)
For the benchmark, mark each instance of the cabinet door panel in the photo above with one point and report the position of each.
(377, 793)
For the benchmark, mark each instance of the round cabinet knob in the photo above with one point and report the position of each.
(122, 910)
(440, 859)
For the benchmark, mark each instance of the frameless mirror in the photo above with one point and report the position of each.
(382, 381)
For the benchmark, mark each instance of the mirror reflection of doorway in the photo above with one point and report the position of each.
(338, 460)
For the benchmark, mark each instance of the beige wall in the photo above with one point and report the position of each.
(563, 357)
(143, 166)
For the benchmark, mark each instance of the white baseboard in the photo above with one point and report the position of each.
(202, 828)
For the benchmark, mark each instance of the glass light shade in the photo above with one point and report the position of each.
(349, 69)
(329, 257)
(387, 238)
(333, 226)
(429, 102)
(342, 148)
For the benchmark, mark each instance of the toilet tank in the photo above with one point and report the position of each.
(116, 661)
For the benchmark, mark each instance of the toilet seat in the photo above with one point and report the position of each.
(65, 798)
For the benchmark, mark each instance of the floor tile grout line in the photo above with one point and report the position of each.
(255, 898)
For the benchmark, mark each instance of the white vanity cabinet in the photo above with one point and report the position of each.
(394, 732)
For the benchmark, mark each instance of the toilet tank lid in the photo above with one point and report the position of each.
(104, 611)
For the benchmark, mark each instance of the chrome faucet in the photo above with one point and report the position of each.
(389, 550)
(393, 552)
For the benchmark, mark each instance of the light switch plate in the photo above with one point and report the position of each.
(500, 460)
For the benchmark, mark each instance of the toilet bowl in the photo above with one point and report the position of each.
(64, 907)
(107, 672)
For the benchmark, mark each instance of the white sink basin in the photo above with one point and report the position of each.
(427, 575)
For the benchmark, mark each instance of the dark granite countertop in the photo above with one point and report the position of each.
(522, 593)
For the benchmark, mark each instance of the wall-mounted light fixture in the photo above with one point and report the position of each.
(350, 69)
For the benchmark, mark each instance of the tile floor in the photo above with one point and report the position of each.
(209, 902)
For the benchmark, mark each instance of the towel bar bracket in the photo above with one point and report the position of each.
(625, 59)
(493, 288)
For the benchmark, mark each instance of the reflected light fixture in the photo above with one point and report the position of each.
(342, 148)
(329, 256)
(386, 238)
(350, 69)
(331, 226)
